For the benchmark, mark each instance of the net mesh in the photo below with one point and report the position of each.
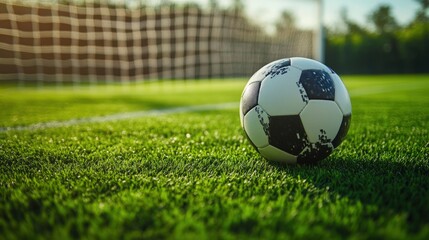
(93, 42)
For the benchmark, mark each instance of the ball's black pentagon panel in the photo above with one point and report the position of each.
(287, 133)
(250, 97)
(279, 67)
(344, 128)
(318, 84)
(315, 152)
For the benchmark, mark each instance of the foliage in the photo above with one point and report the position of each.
(385, 48)
(383, 20)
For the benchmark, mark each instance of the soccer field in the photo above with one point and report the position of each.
(137, 161)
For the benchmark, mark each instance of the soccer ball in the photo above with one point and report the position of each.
(295, 110)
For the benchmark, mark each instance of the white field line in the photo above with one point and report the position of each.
(122, 116)
(197, 108)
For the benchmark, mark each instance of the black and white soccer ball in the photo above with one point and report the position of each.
(295, 110)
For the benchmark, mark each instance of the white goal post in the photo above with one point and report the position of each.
(98, 41)
(319, 35)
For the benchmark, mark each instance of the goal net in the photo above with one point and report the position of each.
(132, 40)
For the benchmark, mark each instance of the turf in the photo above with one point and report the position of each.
(194, 175)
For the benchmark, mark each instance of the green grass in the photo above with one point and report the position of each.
(195, 176)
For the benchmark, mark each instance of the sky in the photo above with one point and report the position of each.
(403, 10)
(268, 11)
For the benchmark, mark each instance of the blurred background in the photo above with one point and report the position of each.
(133, 40)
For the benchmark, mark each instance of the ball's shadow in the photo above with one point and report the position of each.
(397, 187)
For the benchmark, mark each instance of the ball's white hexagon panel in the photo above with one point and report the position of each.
(321, 120)
(256, 123)
(342, 97)
(274, 154)
(305, 63)
(262, 72)
(281, 95)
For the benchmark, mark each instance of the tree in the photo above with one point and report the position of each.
(382, 46)
(421, 14)
(383, 20)
(351, 27)
(424, 4)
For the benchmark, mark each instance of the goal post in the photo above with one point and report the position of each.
(319, 33)
(133, 40)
